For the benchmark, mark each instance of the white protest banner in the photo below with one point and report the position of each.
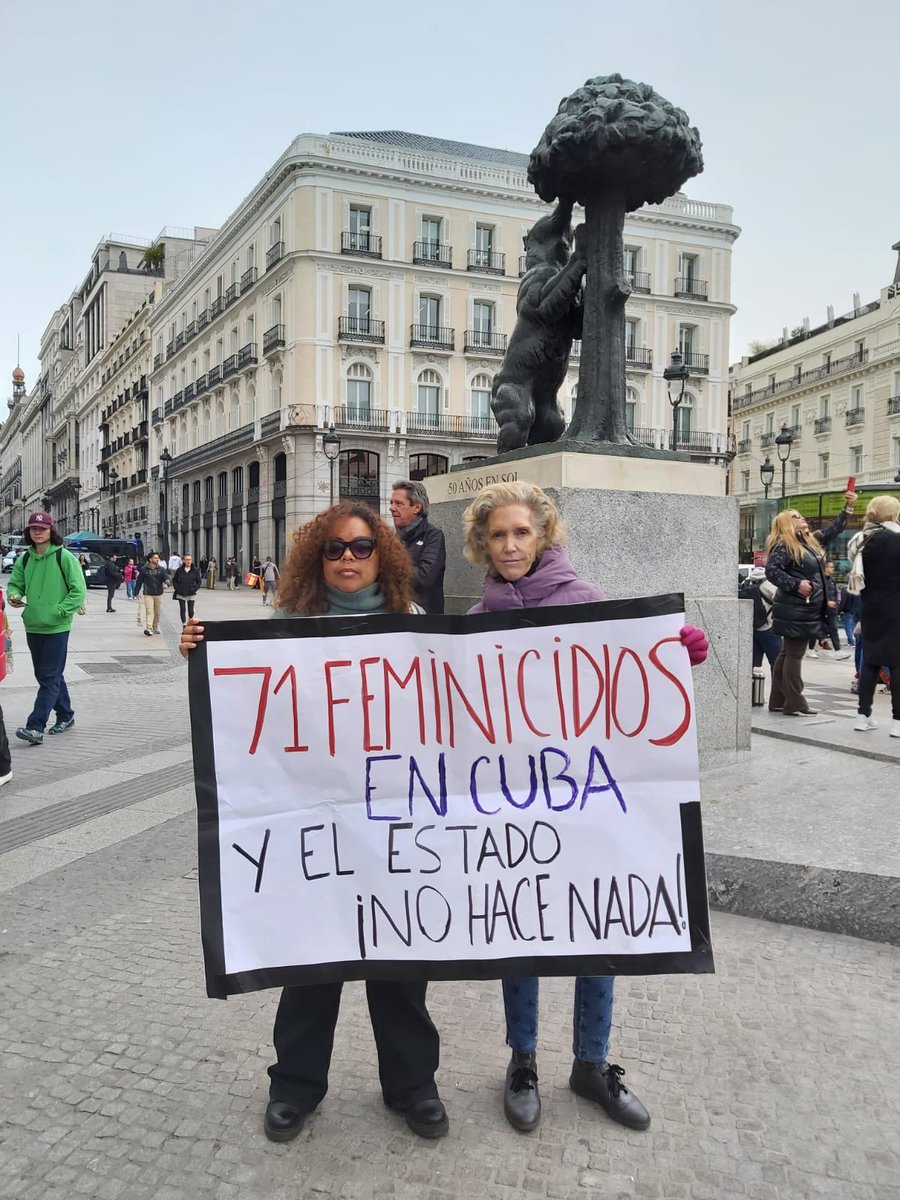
(448, 797)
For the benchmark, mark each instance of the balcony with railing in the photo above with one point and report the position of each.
(697, 363)
(822, 425)
(229, 366)
(203, 320)
(247, 356)
(893, 406)
(488, 262)
(639, 281)
(141, 432)
(156, 416)
(157, 361)
(190, 330)
(363, 243)
(177, 401)
(432, 254)
(179, 340)
(826, 371)
(638, 358)
(694, 441)
(273, 339)
(248, 279)
(167, 408)
(360, 329)
(231, 294)
(200, 385)
(270, 423)
(279, 491)
(170, 349)
(744, 445)
(274, 254)
(484, 341)
(689, 288)
(213, 376)
(253, 495)
(360, 416)
(448, 425)
(237, 439)
(216, 306)
(189, 389)
(767, 439)
(855, 416)
(431, 337)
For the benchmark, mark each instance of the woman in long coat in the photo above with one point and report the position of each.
(879, 547)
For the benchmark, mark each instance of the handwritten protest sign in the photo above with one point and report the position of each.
(448, 797)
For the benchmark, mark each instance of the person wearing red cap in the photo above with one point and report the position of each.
(49, 578)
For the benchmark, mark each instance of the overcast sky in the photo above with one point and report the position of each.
(125, 118)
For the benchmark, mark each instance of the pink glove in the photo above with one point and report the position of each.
(694, 641)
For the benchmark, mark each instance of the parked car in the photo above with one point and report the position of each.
(10, 557)
(95, 574)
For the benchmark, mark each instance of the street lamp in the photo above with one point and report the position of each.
(676, 372)
(76, 488)
(45, 503)
(112, 477)
(165, 459)
(783, 444)
(331, 444)
(767, 474)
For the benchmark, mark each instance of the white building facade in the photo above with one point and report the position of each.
(369, 282)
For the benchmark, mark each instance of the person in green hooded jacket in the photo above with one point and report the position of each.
(49, 582)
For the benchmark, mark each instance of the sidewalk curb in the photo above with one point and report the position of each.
(835, 901)
(859, 751)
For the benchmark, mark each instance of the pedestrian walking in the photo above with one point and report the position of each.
(114, 577)
(795, 565)
(185, 586)
(174, 562)
(878, 548)
(514, 531)
(424, 542)
(49, 578)
(848, 612)
(269, 579)
(346, 562)
(5, 756)
(204, 563)
(231, 574)
(152, 581)
(211, 574)
(130, 574)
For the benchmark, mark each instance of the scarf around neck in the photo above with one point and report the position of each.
(368, 600)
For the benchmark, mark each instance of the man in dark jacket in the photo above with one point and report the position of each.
(114, 576)
(424, 541)
(152, 579)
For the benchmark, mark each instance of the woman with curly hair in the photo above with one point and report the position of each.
(514, 531)
(345, 562)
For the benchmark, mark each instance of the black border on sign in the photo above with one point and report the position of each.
(696, 958)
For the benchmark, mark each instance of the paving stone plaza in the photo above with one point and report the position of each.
(774, 1079)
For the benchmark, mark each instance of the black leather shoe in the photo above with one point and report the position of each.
(603, 1082)
(521, 1099)
(428, 1118)
(283, 1121)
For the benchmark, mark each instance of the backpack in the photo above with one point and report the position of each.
(749, 590)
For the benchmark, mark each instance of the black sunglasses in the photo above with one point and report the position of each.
(336, 548)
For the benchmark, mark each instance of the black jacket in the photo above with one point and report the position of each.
(792, 615)
(425, 544)
(114, 573)
(151, 579)
(186, 582)
(880, 600)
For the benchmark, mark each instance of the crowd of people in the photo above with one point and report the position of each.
(348, 561)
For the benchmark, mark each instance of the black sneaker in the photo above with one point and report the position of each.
(34, 736)
(62, 726)
(147, 633)
(603, 1082)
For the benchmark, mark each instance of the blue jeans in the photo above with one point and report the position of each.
(591, 1016)
(48, 657)
(765, 643)
(849, 622)
(129, 589)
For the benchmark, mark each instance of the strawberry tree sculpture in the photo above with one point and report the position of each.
(613, 146)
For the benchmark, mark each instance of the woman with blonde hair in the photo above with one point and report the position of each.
(514, 531)
(796, 566)
(875, 563)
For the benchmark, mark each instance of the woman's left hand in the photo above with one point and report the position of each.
(695, 642)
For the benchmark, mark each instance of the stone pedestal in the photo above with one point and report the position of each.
(638, 526)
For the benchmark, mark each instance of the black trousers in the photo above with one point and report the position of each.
(187, 608)
(110, 592)
(868, 681)
(5, 758)
(407, 1042)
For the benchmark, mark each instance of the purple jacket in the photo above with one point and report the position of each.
(554, 581)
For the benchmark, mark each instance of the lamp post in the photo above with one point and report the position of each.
(331, 444)
(9, 517)
(76, 488)
(113, 476)
(165, 460)
(783, 444)
(767, 474)
(676, 373)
